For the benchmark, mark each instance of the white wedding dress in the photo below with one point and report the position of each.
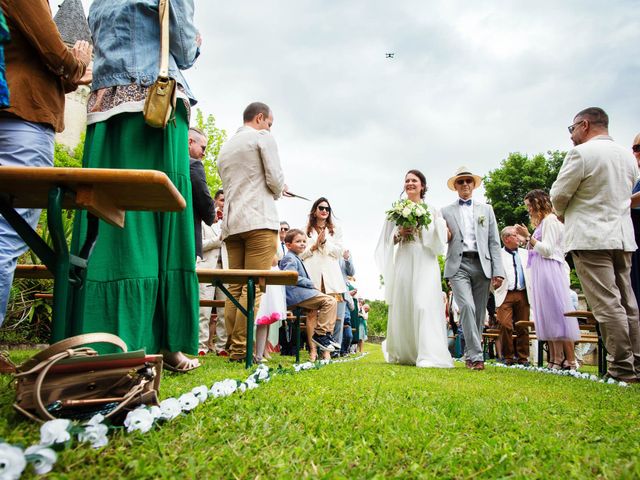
(416, 328)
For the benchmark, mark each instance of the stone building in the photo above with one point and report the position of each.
(72, 24)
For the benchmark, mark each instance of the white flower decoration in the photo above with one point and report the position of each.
(170, 409)
(420, 211)
(251, 383)
(406, 211)
(242, 387)
(42, 458)
(201, 393)
(12, 461)
(55, 431)
(155, 412)
(96, 419)
(139, 419)
(96, 435)
(188, 401)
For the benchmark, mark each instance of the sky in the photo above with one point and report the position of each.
(469, 83)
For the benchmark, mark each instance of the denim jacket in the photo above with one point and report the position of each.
(126, 37)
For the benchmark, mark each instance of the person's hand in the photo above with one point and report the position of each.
(522, 230)
(322, 237)
(353, 292)
(198, 39)
(82, 51)
(346, 254)
(87, 78)
(449, 234)
(405, 231)
(496, 282)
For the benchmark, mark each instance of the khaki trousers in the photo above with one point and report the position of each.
(604, 275)
(327, 308)
(514, 309)
(252, 250)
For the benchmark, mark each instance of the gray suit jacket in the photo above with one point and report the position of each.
(487, 238)
(304, 289)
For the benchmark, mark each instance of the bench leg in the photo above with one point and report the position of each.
(251, 299)
(540, 352)
(296, 332)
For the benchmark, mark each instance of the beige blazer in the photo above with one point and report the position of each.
(323, 264)
(252, 179)
(593, 192)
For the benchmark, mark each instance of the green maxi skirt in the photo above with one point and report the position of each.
(141, 282)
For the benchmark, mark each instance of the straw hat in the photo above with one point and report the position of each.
(463, 172)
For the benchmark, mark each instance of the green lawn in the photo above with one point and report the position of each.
(367, 419)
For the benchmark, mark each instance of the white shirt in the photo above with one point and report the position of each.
(468, 227)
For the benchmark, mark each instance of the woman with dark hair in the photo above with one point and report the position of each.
(635, 217)
(408, 260)
(550, 281)
(322, 261)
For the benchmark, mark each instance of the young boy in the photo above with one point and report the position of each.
(305, 295)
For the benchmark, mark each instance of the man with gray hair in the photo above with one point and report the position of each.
(592, 194)
(252, 177)
(203, 207)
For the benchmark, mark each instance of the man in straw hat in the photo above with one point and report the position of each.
(473, 260)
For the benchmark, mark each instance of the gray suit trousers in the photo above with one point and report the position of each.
(471, 292)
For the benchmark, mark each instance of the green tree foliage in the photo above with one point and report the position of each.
(63, 156)
(217, 137)
(378, 313)
(506, 186)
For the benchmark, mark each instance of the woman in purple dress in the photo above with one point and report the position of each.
(549, 275)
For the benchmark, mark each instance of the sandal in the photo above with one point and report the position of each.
(178, 362)
(554, 366)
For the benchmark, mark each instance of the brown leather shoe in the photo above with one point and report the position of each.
(478, 365)
(468, 363)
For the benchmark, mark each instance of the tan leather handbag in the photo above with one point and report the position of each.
(68, 380)
(161, 96)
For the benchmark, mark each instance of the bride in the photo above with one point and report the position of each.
(416, 329)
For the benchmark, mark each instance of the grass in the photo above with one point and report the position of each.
(367, 419)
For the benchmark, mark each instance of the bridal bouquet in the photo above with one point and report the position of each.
(405, 213)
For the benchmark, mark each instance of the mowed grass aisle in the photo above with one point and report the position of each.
(367, 419)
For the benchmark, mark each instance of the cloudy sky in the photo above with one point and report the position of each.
(469, 83)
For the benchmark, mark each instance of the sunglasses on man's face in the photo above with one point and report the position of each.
(284, 229)
(462, 181)
(324, 209)
(636, 148)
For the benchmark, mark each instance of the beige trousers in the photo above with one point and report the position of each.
(327, 308)
(604, 275)
(253, 250)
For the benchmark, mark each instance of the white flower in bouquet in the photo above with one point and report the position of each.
(139, 419)
(420, 211)
(55, 431)
(12, 461)
(188, 401)
(408, 214)
(42, 458)
(95, 434)
(201, 392)
(406, 211)
(170, 408)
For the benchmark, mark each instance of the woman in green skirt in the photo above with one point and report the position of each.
(141, 282)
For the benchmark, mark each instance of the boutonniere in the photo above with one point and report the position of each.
(481, 220)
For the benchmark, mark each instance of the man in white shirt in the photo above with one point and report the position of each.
(592, 194)
(252, 177)
(282, 249)
(473, 260)
(512, 301)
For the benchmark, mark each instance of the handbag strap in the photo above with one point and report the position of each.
(163, 11)
(72, 342)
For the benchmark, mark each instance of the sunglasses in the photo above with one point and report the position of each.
(284, 229)
(636, 148)
(324, 209)
(462, 181)
(571, 128)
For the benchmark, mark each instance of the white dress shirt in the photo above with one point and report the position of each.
(468, 228)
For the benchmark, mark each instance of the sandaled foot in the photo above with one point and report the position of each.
(179, 362)
(553, 366)
(313, 356)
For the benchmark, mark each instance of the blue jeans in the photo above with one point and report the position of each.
(22, 144)
(337, 329)
(347, 338)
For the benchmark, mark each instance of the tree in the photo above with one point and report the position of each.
(506, 186)
(217, 137)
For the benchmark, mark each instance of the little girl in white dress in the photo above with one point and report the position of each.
(273, 308)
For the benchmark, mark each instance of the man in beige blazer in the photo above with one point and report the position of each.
(512, 299)
(252, 178)
(592, 194)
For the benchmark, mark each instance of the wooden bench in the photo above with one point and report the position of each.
(105, 193)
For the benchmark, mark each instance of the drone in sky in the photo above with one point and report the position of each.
(389, 55)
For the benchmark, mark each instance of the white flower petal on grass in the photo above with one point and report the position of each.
(139, 419)
(188, 401)
(42, 458)
(155, 411)
(242, 387)
(201, 392)
(170, 408)
(55, 431)
(12, 461)
(96, 419)
(95, 434)
(251, 383)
